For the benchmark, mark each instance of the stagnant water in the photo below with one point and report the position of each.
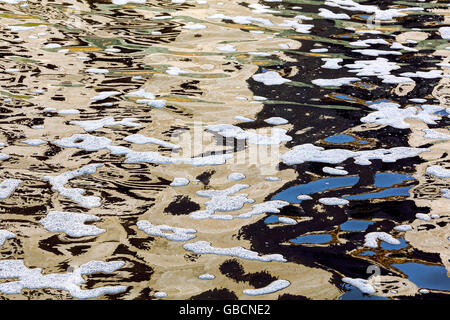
(202, 149)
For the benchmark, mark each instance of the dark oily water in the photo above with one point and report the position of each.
(224, 150)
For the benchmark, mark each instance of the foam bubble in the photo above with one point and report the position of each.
(140, 139)
(372, 237)
(92, 125)
(71, 223)
(70, 281)
(361, 284)
(8, 186)
(439, 171)
(179, 182)
(5, 234)
(275, 286)
(75, 194)
(270, 78)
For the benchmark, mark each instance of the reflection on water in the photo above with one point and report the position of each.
(426, 276)
(356, 225)
(144, 144)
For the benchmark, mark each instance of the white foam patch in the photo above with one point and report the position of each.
(227, 48)
(207, 276)
(423, 216)
(403, 227)
(259, 8)
(259, 53)
(298, 27)
(432, 74)
(331, 15)
(332, 63)
(168, 232)
(12, 1)
(158, 103)
(391, 79)
(445, 193)
(334, 82)
(361, 284)
(376, 53)
(92, 125)
(432, 134)
(160, 294)
(371, 239)
(69, 111)
(319, 50)
(122, 2)
(104, 95)
(400, 46)
(303, 17)
(231, 131)
(84, 141)
(75, 194)
(204, 247)
(388, 113)
(223, 201)
(418, 100)
(272, 179)
(194, 26)
(179, 182)
(270, 78)
(70, 281)
(380, 67)
(8, 186)
(34, 142)
(97, 71)
(287, 220)
(439, 171)
(333, 201)
(368, 42)
(309, 152)
(378, 14)
(236, 176)
(5, 234)
(92, 143)
(154, 157)
(445, 32)
(242, 19)
(334, 171)
(275, 286)
(243, 119)
(19, 28)
(141, 94)
(140, 139)
(114, 50)
(3, 156)
(272, 206)
(71, 223)
(175, 71)
(276, 121)
(304, 197)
